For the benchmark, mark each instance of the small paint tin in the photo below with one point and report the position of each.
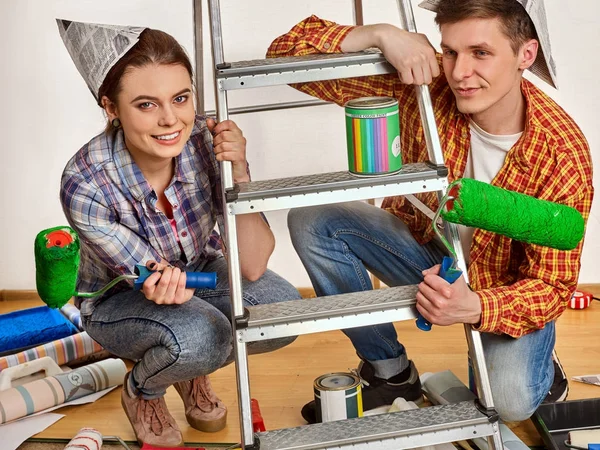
(338, 396)
(373, 136)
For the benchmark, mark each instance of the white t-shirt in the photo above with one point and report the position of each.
(485, 159)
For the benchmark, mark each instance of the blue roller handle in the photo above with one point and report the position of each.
(194, 280)
(448, 273)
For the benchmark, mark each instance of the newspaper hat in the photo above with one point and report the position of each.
(544, 65)
(96, 48)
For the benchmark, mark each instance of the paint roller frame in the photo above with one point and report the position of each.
(449, 270)
(48, 248)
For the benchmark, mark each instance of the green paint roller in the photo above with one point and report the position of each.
(57, 263)
(518, 216)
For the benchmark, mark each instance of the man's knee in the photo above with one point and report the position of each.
(515, 403)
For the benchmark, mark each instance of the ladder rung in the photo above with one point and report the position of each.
(299, 69)
(334, 187)
(335, 312)
(406, 429)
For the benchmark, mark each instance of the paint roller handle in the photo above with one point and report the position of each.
(194, 280)
(449, 273)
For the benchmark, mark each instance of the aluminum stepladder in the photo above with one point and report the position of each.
(415, 428)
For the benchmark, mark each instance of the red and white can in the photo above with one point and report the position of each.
(580, 300)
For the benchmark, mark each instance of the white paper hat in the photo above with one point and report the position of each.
(544, 65)
(96, 48)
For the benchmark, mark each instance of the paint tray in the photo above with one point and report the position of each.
(33, 326)
(554, 420)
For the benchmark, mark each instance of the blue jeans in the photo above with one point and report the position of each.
(173, 343)
(338, 244)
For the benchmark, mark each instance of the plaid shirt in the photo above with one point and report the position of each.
(111, 206)
(522, 287)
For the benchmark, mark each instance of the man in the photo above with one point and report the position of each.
(494, 126)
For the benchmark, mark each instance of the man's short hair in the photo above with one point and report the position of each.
(516, 23)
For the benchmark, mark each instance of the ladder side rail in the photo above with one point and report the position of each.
(436, 156)
(357, 11)
(233, 260)
(451, 230)
(198, 56)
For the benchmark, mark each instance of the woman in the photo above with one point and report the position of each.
(147, 191)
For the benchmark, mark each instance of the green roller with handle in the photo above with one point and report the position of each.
(517, 216)
(57, 264)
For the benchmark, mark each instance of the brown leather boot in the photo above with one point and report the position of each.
(150, 420)
(203, 409)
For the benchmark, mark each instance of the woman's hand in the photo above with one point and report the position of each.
(168, 287)
(230, 145)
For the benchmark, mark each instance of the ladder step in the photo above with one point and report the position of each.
(299, 69)
(335, 312)
(406, 429)
(333, 187)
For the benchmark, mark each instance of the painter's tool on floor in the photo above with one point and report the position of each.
(584, 440)
(258, 423)
(580, 300)
(338, 396)
(92, 439)
(57, 265)
(517, 216)
(63, 387)
(443, 388)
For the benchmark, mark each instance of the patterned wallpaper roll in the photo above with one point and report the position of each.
(41, 394)
(62, 351)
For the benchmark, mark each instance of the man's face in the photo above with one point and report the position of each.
(480, 65)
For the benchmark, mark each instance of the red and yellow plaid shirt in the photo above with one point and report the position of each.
(521, 286)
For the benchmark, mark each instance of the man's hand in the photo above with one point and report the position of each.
(168, 287)
(411, 54)
(230, 145)
(442, 303)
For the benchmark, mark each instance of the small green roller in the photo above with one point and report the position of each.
(56, 263)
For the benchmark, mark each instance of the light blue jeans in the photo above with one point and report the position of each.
(339, 243)
(173, 343)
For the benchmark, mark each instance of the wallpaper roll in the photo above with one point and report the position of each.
(72, 313)
(41, 394)
(62, 351)
(86, 439)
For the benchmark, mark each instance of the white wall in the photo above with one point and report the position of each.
(47, 112)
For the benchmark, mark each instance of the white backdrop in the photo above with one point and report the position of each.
(48, 113)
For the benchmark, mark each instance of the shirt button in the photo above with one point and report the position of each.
(183, 233)
(326, 45)
(175, 206)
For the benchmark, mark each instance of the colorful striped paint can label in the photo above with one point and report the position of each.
(373, 136)
(338, 396)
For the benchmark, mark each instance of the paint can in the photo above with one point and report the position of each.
(373, 136)
(338, 396)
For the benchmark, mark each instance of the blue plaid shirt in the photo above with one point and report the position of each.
(111, 206)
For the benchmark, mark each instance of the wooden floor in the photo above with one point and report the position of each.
(282, 381)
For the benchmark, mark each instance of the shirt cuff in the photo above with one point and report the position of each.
(330, 39)
(491, 312)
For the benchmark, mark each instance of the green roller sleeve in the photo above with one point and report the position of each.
(517, 216)
(56, 264)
